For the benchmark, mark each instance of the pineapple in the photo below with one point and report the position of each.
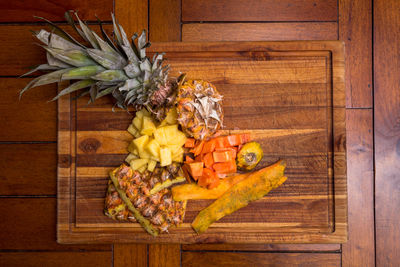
(199, 108)
(102, 66)
(145, 197)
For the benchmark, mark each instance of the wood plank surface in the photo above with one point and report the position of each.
(355, 29)
(264, 10)
(304, 213)
(28, 169)
(387, 131)
(264, 247)
(132, 15)
(59, 259)
(23, 11)
(165, 20)
(207, 32)
(360, 249)
(30, 225)
(161, 255)
(194, 259)
(32, 118)
(135, 255)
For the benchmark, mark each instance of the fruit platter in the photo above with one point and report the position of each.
(239, 142)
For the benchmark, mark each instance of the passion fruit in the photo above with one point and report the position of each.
(249, 156)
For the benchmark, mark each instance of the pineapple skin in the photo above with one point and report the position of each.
(147, 193)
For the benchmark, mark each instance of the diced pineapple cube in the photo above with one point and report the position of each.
(172, 116)
(142, 112)
(142, 169)
(131, 147)
(153, 147)
(176, 150)
(144, 154)
(135, 152)
(178, 158)
(141, 142)
(148, 126)
(151, 165)
(165, 156)
(130, 157)
(137, 122)
(137, 163)
(132, 130)
(160, 136)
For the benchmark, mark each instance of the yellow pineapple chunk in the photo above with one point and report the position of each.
(151, 165)
(142, 169)
(153, 147)
(141, 113)
(145, 155)
(137, 122)
(141, 142)
(132, 130)
(165, 156)
(130, 157)
(138, 163)
(178, 158)
(160, 136)
(172, 116)
(148, 126)
(176, 150)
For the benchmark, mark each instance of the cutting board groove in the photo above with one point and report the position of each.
(289, 95)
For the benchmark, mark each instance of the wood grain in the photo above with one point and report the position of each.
(30, 224)
(355, 29)
(161, 255)
(194, 259)
(264, 247)
(303, 213)
(60, 259)
(387, 131)
(134, 255)
(165, 20)
(23, 11)
(28, 119)
(360, 250)
(264, 10)
(18, 179)
(132, 15)
(207, 32)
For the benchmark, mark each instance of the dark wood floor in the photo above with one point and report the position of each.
(371, 32)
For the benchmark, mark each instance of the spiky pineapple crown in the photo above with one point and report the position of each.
(102, 66)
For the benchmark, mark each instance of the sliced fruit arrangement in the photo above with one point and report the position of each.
(199, 107)
(252, 188)
(213, 159)
(134, 200)
(155, 143)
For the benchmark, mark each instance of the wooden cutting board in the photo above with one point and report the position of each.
(290, 95)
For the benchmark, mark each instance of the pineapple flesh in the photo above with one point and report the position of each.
(149, 196)
(199, 108)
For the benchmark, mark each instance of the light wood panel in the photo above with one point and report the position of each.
(208, 32)
(256, 10)
(387, 130)
(304, 216)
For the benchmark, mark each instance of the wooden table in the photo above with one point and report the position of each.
(28, 135)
